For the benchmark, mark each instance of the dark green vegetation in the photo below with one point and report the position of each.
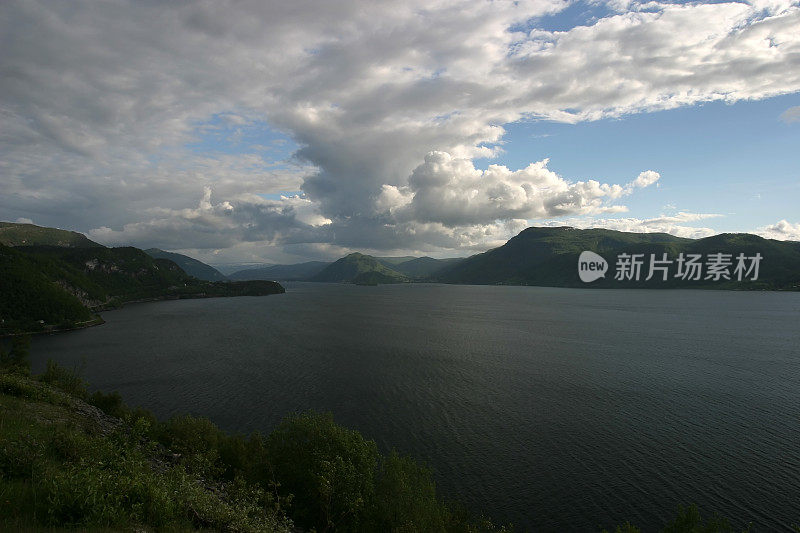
(50, 287)
(423, 268)
(70, 459)
(375, 278)
(348, 268)
(13, 234)
(549, 257)
(29, 294)
(369, 271)
(193, 267)
(295, 272)
(74, 460)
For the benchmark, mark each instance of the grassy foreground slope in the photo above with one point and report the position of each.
(74, 460)
(70, 459)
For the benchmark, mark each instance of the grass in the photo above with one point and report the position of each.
(70, 460)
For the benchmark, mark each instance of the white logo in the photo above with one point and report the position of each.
(591, 267)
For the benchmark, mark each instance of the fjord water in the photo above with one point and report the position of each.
(556, 409)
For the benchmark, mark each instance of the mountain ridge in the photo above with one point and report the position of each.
(190, 265)
(349, 267)
(22, 234)
(547, 256)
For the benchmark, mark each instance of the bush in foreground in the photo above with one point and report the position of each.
(60, 467)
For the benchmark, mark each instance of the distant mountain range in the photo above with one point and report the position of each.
(422, 268)
(296, 272)
(549, 257)
(191, 266)
(52, 277)
(407, 268)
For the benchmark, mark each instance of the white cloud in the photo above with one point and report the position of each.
(211, 225)
(98, 102)
(451, 191)
(791, 115)
(782, 230)
(646, 178)
(672, 224)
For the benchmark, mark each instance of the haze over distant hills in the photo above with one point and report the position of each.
(413, 268)
(548, 256)
(191, 266)
(298, 271)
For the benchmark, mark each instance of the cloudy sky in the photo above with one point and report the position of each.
(251, 131)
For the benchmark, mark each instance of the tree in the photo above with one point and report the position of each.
(17, 358)
(329, 469)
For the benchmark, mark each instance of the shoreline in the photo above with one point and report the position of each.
(98, 320)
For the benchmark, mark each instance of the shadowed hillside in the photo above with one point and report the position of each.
(191, 266)
(13, 234)
(50, 287)
(349, 267)
(298, 271)
(549, 257)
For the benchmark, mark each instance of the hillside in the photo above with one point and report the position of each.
(549, 257)
(13, 234)
(392, 262)
(294, 272)
(49, 287)
(191, 266)
(29, 295)
(349, 267)
(74, 460)
(423, 268)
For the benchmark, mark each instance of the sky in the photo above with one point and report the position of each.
(280, 132)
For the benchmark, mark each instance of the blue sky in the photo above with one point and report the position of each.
(739, 160)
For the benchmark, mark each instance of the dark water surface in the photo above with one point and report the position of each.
(557, 409)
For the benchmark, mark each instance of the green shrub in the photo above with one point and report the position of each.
(18, 385)
(330, 471)
(66, 379)
(405, 498)
(690, 521)
(195, 441)
(110, 403)
(17, 359)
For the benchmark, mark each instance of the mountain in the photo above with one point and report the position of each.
(191, 266)
(299, 271)
(424, 267)
(349, 267)
(391, 262)
(51, 287)
(14, 234)
(30, 293)
(549, 257)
